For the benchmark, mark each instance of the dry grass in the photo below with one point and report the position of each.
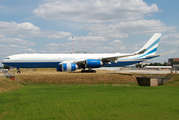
(8, 84)
(50, 71)
(47, 76)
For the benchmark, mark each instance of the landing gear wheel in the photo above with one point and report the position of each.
(83, 71)
(88, 71)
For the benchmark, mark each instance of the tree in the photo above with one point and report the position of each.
(6, 67)
(165, 64)
(151, 64)
(138, 65)
(145, 65)
(174, 62)
(157, 64)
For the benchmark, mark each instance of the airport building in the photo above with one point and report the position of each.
(172, 59)
(175, 66)
(158, 67)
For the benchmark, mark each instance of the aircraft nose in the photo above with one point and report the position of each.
(2, 61)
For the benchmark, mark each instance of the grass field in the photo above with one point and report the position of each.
(45, 98)
(90, 102)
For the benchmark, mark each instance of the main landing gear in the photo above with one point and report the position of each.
(88, 71)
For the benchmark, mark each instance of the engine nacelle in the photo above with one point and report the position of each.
(69, 67)
(93, 63)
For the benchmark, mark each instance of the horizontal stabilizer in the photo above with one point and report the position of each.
(156, 55)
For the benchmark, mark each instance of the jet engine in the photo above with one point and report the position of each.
(68, 67)
(93, 63)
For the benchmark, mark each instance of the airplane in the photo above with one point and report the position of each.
(72, 62)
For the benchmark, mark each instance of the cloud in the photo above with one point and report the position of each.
(95, 11)
(50, 48)
(27, 29)
(171, 39)
(22, 29)
(29, 50)
(2, 36)
(16, 41)
(14, 49)
(83, 43)
(101, 49)
(87, 43)
(117, 45)
(117, 42)
(122, 29)
(112, 48)
(88, 38)
(55, 34)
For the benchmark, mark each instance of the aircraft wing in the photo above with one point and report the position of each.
(111, 58)
(114, 58)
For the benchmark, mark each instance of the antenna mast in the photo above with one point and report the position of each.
(72, 44)
(59, 48)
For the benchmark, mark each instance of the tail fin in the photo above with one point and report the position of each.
(151, 46)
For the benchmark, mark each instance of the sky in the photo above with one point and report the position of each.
(98, 26)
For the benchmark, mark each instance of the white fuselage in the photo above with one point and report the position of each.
(53, 60)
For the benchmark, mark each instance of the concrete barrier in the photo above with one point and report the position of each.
(146, 81)
(153, 82)
(143, 81)
(8, 75)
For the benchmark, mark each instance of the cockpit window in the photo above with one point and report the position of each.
(7, 58)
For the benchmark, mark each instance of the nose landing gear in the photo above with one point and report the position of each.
(18, 70)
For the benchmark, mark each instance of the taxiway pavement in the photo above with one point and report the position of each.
(137, 71)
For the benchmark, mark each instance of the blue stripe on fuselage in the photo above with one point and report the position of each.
(33, 64)
(128, 62)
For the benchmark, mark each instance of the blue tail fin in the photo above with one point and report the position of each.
(152, 45)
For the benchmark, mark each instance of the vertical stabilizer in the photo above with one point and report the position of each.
(151, 46)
